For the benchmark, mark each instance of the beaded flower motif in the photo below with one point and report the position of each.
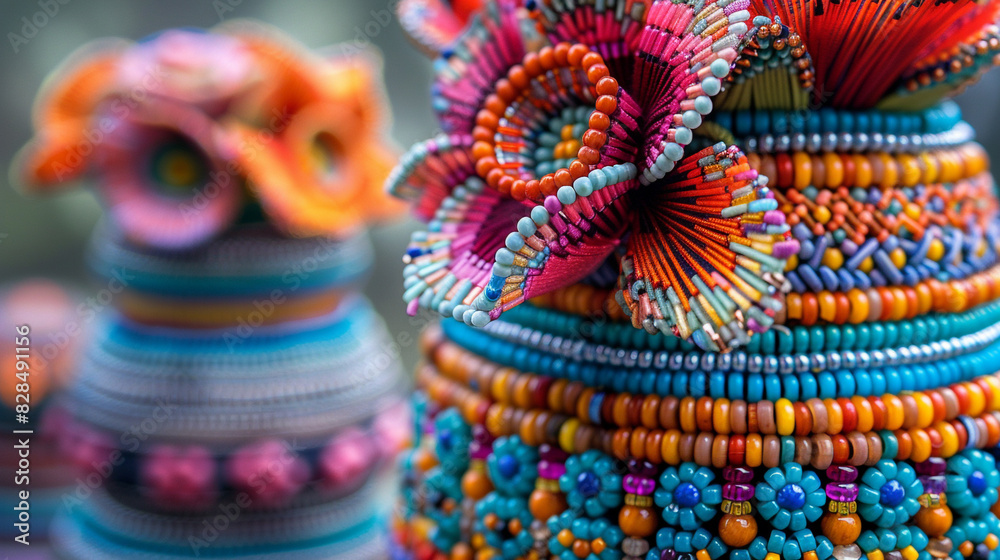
(556, 156)
(442, 505)
(591, 483)
(504, 523)
(974, 535)
(791, 547)
(972, 482)
(687, 496)
(452, 438)
(574, 538)
(887, 495)
(790, 498)
(435, 24)
(191, 132)
(513, 466)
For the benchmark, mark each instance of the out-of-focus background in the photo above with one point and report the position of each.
(48, 236)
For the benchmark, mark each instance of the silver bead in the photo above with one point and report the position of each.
(813, 142)
(798, 142)
(861, 141)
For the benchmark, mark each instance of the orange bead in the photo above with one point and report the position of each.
(841, 529)
(737, 530)
(935, 522)
(637, 522)
(475, 484)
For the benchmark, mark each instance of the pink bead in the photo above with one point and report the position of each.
(269, 472)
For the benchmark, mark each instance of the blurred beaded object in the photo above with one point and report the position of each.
(240, 398)
(737, 260)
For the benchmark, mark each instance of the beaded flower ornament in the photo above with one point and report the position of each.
(724, 281)
(189, 132)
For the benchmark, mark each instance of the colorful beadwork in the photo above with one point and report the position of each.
(730, 267)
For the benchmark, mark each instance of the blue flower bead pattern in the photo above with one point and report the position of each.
(452, 436)
(513, 466)
(591, 483)
(596, 539)
(972, 483)
(888, 492)
(790, 498)
(687, 496)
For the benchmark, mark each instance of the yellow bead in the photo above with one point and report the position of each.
(866, 265)
(565, 537)
(898, 257)
(792, 263)
(833, 258)
(910, 553)
(822, 214)
(875, 555)
(567, 433)
(936, 250)
(784, 415)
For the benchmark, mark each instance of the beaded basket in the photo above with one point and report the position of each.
(240, 398)
(721, 279)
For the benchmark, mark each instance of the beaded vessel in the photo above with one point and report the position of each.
(720, 280)
(240, 397)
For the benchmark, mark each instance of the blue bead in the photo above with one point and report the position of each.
(588, 484)
(892, 493)
(791, 497)
(508, 465)
(977, 483)
(445, 438)
(687, 495)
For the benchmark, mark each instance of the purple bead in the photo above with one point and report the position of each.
(737, 474)
(640, 486)
(737, 492)
(553, 454)
(642, 468)
(552, 204)
(933, 466)
(668, 554)
(934, 484)
(842, 492)
(551, 470)
(842, 473)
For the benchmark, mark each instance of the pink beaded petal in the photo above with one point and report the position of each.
(493, 42)
(706, 252)
(684, 51)
(430, 170)
(435, 24)
(484, 253)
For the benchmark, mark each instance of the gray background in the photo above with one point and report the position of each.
(47, 236)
